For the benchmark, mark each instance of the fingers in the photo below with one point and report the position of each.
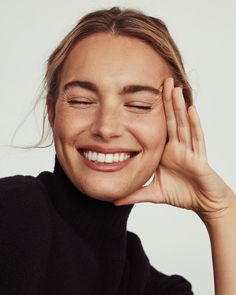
(169, 110)
(176, 114)
(182, 119)
(134, 198)
(144, 194)
(197, 133)
(183, 125)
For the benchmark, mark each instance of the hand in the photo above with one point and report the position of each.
(183, 177)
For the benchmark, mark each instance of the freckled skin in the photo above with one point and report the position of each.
(110, 62)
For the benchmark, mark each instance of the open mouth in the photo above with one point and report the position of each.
(107, 158)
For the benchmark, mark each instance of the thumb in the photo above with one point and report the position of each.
(144, 194)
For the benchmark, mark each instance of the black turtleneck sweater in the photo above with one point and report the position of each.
(56, 240)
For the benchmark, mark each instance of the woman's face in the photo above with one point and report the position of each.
(106, 113)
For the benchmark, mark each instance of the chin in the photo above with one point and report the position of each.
(105, 193)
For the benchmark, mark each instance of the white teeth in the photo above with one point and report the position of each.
(101, 158)
(94, 156)
(109, 158)
(122, 157)
(105, 158)
(116, 158)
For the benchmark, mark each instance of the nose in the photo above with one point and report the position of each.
(107, 123)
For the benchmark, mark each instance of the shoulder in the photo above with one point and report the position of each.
(25, 215)
(135, 247)
(17, 183)
(168, 284)
(25, 225)
(22, 194)
(157, 282)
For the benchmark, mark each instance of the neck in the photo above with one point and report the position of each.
(99, 223)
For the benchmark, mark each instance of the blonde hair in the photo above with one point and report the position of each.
(125, 22)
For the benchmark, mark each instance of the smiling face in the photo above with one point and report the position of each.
(109, 104)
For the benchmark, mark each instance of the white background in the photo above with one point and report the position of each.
(175, 240)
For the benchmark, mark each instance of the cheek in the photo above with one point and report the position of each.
(68, 125)
(159, 131)
(63, 128)
(152, 131)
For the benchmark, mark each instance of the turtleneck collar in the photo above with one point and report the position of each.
(98, 222)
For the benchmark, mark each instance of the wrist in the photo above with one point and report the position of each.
(222, 236)
(225, 216)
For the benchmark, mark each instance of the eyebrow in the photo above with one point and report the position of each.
(126, 89)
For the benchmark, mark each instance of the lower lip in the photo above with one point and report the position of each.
(106, 167)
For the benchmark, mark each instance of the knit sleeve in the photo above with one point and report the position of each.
(167, 285)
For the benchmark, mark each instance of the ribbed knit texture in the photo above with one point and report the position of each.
(56, 240)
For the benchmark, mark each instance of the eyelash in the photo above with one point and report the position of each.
(140, 107)
(88, 103)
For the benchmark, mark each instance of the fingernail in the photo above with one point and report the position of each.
(149, 180)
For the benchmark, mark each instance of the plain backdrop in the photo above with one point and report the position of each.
(175, 240)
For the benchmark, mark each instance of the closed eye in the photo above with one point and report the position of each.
(80, 102)
(84, 103)
(140, 107)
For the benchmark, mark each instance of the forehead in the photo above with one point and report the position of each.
(114, 58)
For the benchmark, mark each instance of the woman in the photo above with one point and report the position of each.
(125, 131)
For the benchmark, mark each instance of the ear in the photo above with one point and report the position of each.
(50, 110)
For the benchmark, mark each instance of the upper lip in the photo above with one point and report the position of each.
(106, 150)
